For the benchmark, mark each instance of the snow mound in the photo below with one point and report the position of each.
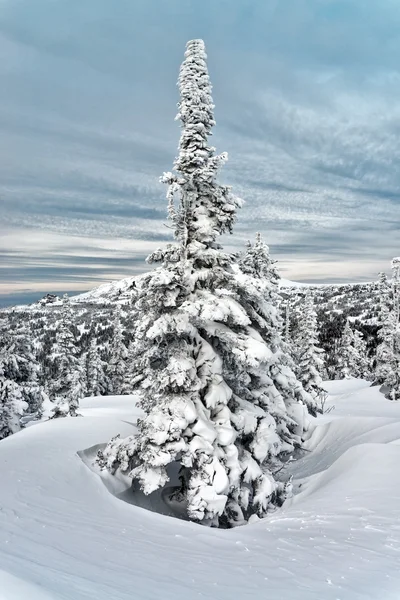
(63, 535)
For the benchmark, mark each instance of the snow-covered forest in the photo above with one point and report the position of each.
(223, 384)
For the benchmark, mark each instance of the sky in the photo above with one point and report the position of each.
(306, 95)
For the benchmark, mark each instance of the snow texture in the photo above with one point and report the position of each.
(64, 536)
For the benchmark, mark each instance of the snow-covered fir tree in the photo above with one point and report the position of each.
(393, 381)
(309, 354)
(287, 322)
(258, 292)
(257, 262)
(96, 379)
(18, 364)
(12, 407)
(364, 370)
(396, 298)
(116, 366)
(218, 396)
(386, 363)
(69, 383)
(396, 285)
(347, 359)
(352, 354)
(130, 374)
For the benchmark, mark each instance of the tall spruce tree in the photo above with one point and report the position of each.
(217, 395)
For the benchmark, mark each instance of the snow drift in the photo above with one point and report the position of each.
(63, 535)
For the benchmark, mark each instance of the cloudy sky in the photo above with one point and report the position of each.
(307, 106)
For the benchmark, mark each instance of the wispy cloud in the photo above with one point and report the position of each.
(306, 96)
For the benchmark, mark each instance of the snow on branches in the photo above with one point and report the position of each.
(205, 209)
(218, 393)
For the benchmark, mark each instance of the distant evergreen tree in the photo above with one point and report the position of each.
(385, 352)
(353, 360)
(310, 356)
(68, 384)
(363, 361)
(396, 287)
(394, 380)
(287, 323)
(257, 262)
(259, 295)
(130, 374)
(12, 407)
(18, 364)
(116, 367)
(217, 395)
(347, 359)
(387, 370)
(96, 379)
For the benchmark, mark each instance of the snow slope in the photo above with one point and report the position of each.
(108, 292)
(63, 535)
(121, 291)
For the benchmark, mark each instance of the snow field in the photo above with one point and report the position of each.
(63, 535)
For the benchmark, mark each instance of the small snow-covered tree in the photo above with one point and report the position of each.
(115, 370)
(363, 362)
(96, 379)
(12, 407)
(393, 379)
(310, 356)
(130, 374)
(257, 262)
(287, 323)
(18, 363)
(396, 287)
(386, 363)
(259, 294)
(68, 385)
(217, 396)
(352, 354)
